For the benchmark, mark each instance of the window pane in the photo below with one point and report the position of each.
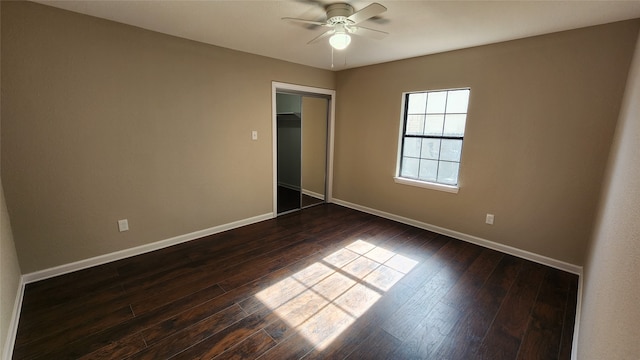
(410, 167)
(450, 150)
(428, 170)
(454, 125)
(436, 102)
(415, 124)
(457, 101)
(433, 125)
(417, 103)
(448, 172)
(412, 147)
(430, 149)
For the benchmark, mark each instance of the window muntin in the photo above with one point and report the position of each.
(432, 135)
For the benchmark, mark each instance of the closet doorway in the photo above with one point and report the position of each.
(303, 142)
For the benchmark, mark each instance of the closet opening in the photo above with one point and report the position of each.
(303, 141)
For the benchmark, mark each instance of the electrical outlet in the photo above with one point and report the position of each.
(123, 225)
(489, 219)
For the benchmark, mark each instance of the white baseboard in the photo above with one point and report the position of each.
(122, 254)
(576, 326)
(12, 331)
(313, 194)
(544, 260)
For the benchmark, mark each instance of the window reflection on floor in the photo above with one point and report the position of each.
(323, 299)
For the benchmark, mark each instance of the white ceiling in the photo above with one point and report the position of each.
(416, 27)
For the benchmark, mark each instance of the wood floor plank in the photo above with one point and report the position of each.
(547, 317)
(228, 337)
(280, 330)
(222, 266)
(326, 282)
(283, 330)
(78, 279)
(439, 280)
(345, 343)
(49, 319)
(179, 321)
(147, 266)
(161, 280)
(228, 240)
(251, 348)
(340, 240)
(70, 288)
(234, 245)
(186, 319)
(465, 338)
(83, 346)
(269, 263)
(120, 349)
(503, 339)
(294, 347)
(195, 333)
(358, 333)
(424, 340)
(429, 264)
(141, 304)
(61, 337)
(247, 254)
(378, 345)
(462, 294)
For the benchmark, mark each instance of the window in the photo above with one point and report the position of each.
(432, 135)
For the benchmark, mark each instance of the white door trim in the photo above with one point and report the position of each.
(284, 87)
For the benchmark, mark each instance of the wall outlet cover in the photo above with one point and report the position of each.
(123, 225)
(489, 219)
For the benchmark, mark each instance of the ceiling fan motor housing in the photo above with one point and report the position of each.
(338, 14)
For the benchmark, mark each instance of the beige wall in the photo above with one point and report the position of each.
(314, 143)
(541, 118)
(103, 121)
(9, 267)
(9, 276)
(610, 313)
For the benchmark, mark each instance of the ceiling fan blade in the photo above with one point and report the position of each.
(321, 36)
(363, 31)
(305, 21)
(367, 13)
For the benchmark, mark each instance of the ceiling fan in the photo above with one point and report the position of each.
(343, 21)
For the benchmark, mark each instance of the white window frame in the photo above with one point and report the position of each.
(415, 182)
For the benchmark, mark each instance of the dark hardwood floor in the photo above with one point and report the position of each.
(324, 282)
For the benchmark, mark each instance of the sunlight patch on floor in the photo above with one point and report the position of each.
(325, 298)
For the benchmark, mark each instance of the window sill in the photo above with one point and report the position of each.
(428, 185)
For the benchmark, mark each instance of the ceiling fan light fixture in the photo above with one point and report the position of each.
(343, 21)
(340, 40)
